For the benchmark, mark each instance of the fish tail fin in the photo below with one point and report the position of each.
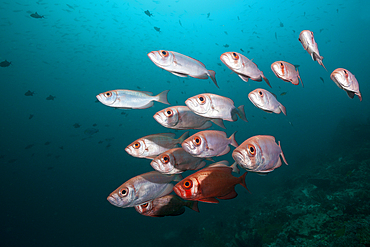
(242, 181)
(283, 109)
(299, 77)
(321, 63)
(235, 168)
(212, 74)
(241, 113)
(162, 97)
(233, 141)
(193, 205)
(219, 122)
(266, 80)
(183, 137)
(282, 154)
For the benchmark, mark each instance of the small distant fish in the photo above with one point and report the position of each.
(219, 64)
(47, 143)
(281, 24)
(36, 15)
(283, 93)
(91, 131)
(276, 36)
(208, 15)
(169, 205)
(29, 93)
(76, 125)
(322, 79)
(241, 49)
(347, 81)
(5, 63)
(31, 116)
(286, 71)
(157, 29)
(309, 44)
(50, 97)
(29, 146)
(148, 13)
(225, 32)
(180, 23)
(225, 45)
(131, 99)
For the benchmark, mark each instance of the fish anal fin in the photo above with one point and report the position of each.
(179, 74)
(244, 78)
(209, 200)
(219, 122)
(202, 76)
(231, 195)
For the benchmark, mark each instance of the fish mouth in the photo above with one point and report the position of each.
(178, 191)
(158, 118)
(113, 200)
(193, 106)
(238, 157)
(99, 97)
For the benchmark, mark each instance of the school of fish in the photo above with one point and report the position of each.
(155, 193)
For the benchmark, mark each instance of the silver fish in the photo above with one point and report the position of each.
(142, 188)
(131, 99)
(181, 117)
(175, 161)
(181, 65)
(153, 145)
(286, 71)
(209, 143)
(258, 154)
(309, 44)
(243, 67)
(266, 101)
(215, 106)
(346, 81)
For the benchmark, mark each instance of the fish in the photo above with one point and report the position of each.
(91, 131)
(258, 154)
(209, 184)
(148, 13)
(29, 93)
(243, 67)
(322, 79)
(347, 81)
(151, 146)
(157, 29)
(215, 106)
(180, 22)
(176, 161)
(266, 101)
(283, 93)
(209, 143)
(36, 15)
(76, 125)
(31, 116)
(142, 188)
(50, 97)
(286, 71)
(225, 45)
(181, 65)
(309, 44)
(131, 99)
(5, 63)
(181, 117)
(169, 205)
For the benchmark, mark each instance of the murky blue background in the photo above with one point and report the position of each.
(55, 178)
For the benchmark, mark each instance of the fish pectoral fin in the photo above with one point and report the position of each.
(209, 200)
(244, 78)
(231, 195)
(351, 94)
(227, 149)
(179, 74)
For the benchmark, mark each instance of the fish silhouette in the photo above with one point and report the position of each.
(37, 16)
(5, 63)
(148, 13)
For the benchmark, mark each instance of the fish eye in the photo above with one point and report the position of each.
(201, 99)
(251, 150)
(136, 145)
(168, 113)
(145, 205)
(197, 141)
(123, 192)
(165, 159)
(108, 94)
(260, 93)
(282, 65)
(187, 184)
(235, 55)
(345, 73)
(164, 53)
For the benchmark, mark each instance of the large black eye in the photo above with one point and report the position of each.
(251, 150)
(187, 184)
(164, 53)
(260, 93)
(145, 205)
(235, 55)
(165, 159)
(201, 99)
(123, 192)
(108, 94)
(197, 140)
(169, 113)
(136, 145)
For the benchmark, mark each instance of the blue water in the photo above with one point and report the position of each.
(55, 175)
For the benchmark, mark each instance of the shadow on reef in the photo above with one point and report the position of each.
(326, 204)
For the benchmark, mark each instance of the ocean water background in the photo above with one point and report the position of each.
(55, 178)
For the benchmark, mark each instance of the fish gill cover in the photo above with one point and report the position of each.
(62, 151)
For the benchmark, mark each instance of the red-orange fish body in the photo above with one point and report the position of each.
(214, 181)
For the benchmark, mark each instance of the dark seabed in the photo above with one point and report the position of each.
(62, 152)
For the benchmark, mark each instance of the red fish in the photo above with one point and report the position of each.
(214, 181)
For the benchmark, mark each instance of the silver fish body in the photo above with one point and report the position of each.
(131, 99)
(152, 145)
(259, 154)
(215, 106)
(346, 81)
(309, 44)
(209, 143)
(266, 101)
(181, 65)
(286, 71)
(175, 161)
(243, 67)
(181, 117)
(142, 188)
